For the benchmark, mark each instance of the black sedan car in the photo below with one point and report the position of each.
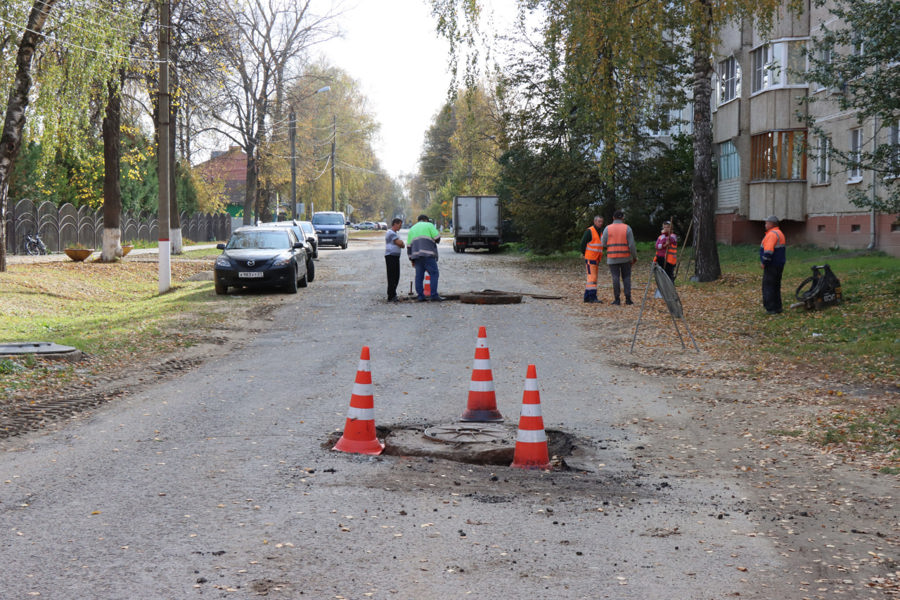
(261, 257)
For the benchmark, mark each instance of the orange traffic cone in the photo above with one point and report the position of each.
(359, 431)
(426, 287)
(482, 406)
(531, 442)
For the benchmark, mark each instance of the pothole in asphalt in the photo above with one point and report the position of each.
(479, 444)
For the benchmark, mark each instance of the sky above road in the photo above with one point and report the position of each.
(392, 49)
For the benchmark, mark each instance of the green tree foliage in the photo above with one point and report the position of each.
(859, 55)
(657, 187)
(461, 151)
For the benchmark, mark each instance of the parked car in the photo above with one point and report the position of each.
(382, 226)
(261, 256)
(331, 229)
(311, 252)
(311, 236)
(367, 225)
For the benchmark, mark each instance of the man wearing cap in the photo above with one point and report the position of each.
(421, 246)
(772, 258)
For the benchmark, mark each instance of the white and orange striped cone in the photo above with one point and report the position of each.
(426, 287)
(531, 441)
(482, 404)
(359, 430)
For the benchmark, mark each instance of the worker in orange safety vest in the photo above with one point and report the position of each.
(772, 257)
(667, 250)
(593, 253)
(618, 243)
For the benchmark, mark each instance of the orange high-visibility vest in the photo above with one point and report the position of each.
(672, 252)
(593, 251)
(617, 241)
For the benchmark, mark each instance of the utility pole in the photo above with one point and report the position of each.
(292, 120)
(163, 149)
(333, 142)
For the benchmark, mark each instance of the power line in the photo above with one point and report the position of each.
(67, 44)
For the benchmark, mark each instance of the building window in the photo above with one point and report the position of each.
(729, 161)
(729, 81)
(855, 174)
(820, 228)
(778, 155)
(778, 64)
(855, 228)
(823, 160)
(761, 59)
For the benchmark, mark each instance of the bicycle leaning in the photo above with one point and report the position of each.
(34, 245)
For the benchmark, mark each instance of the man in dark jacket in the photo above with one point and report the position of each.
(772, 257)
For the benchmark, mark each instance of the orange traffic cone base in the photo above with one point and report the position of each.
(482, 416)
(372, 447)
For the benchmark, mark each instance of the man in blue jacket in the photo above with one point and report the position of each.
(421, 247)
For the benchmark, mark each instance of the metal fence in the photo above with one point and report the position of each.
(64, 226)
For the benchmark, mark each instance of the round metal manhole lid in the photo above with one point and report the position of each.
(466, 433)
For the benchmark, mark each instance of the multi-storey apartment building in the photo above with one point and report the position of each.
(765, 165)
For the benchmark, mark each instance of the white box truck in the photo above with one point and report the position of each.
(476, 223)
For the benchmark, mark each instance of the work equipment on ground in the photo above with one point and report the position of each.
(666, 288)
(532, 451)
(821, 290)
(482, 403)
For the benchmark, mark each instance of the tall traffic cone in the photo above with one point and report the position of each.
(531, 442)
(359, 431)
(426, 287)
(482, 405)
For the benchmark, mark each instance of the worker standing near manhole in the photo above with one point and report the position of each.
(593, 254)
(392, 246)
(421, 247)
(618, 242)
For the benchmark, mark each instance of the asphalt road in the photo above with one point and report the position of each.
(220, 483)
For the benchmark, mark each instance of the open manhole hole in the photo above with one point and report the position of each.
(471, 443)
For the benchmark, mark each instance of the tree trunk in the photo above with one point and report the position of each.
(703, 187)
(251, 181)
(112, 190)
(14, 121)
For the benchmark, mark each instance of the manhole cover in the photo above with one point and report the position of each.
(41, 348)
(466, 433)
(490, 297)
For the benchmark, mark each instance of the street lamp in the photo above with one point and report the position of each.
(293, 133)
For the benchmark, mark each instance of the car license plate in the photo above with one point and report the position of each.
(250, 274)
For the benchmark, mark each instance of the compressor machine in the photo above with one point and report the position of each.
(821, 290)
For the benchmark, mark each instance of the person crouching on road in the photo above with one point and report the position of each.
(421, 247)
(392, 246)
(593, 254)
(667, 249)
(772, 257)
(618, 242)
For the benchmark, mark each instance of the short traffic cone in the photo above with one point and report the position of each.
(482, 405)
(531, 441)
(359, 431)
(427, 285)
